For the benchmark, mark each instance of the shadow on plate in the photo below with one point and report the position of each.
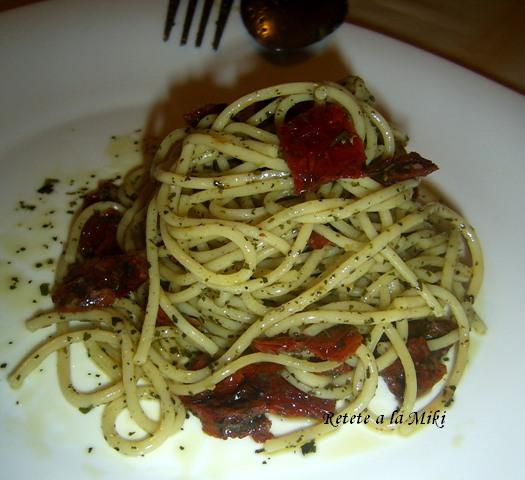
(252, 73)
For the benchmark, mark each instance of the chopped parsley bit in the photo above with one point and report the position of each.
(3, 365)
(181, 447)
(25, 206)
(14, 283)
(48, 186)
(308, 447)
(44, 289)
(90, 449)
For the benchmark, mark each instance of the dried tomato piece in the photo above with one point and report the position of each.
(321, 145)
(401, 167)
(336, 343)
(99, 234)
(237, 406)
(199, 360)
(317, 241)
(99, 281)
(430, 328)
(429, 368)
(224, 422)
(284, 399)
(195, 116)
(162, 319)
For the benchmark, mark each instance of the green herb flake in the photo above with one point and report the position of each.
(48, 186)
(308, 447)
(26, 206)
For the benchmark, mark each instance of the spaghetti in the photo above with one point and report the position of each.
(246, 270)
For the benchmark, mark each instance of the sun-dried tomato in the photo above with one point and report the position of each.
(336, 343)
(98, 282)
(321, 145)
(99, 234)
(238, 405)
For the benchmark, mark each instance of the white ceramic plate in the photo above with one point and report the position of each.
(74, 73)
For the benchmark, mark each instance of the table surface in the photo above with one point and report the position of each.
(487, 36)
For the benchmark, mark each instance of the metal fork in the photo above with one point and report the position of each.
(222, 18)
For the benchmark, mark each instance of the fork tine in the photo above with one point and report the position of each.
(203, 22)
(190, 12)
(173, 6)
(224, 13)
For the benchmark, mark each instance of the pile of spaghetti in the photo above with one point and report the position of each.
(278, 256)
